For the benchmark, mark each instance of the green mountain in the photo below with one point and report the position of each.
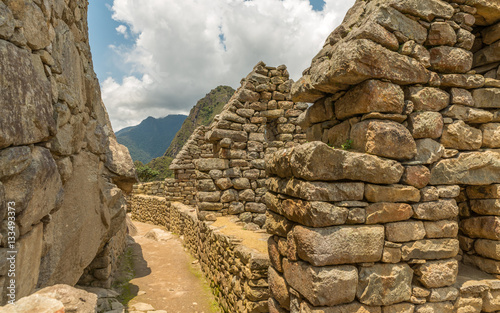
(151, 137)
(201, 114)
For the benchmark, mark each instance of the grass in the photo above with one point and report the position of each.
(196, 271)
(126, 270)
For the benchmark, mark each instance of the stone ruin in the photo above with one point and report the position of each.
(221, 168)
(62, 174)
(393, 204)
(411, 89)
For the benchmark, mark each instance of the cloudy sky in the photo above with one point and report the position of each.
(158, 57)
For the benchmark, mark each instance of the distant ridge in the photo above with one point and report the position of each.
(151, 137)
(201, 114)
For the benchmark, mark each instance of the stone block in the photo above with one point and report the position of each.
(353, 307)
(384, 284)
(416, 176)
(440, 307)
(391, 193)
(441, 33)
(277, 224)
(396, 21)
(378, 62)
(487, 55)
(27, 268)
(436, 210)
(428, 98)
(425, 125)
(427, 9)
(399, 308)
(487, 227)
(316, 283)
(383, 138)
(488, 98)
(436, 274)
(441, 229)
(370, 96)
(314, 214)
(26, 104)
(484, 192)
(339, 244)
(486, 265)
(491, 135)
(317, 161)
(486, 206)
(385, 212)
(473, 168)
(446, 59)
(461, 136)
(461, 96)
(468, 114)
(279, 288)
(317, 191)
(206, 165)
(430, 249)
(404, 231)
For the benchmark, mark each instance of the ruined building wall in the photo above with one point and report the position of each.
(62, 173)
(400, 182)
(226, 159)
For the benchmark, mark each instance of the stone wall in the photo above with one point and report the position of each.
(226, 159)
(237, 274)
(156, 188)
(62, 173)
(402, 128)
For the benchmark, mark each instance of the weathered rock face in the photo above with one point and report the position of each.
(61, 170)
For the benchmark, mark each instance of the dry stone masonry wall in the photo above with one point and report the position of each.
(56, 145)
(399, 182)
(237, 273)
(221, 168)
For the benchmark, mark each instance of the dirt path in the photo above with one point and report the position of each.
(166, 277)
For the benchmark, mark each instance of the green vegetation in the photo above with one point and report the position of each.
(196, 271)
(161, 165)
(347, 145)
(201, 114)
(126, 273)
(155, 170)
(151, 137)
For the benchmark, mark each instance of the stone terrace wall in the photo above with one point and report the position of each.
(402, 126)
(237, 274)
(62, 172)
(156, 188)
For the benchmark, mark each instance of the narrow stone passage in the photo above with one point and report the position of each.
(167, 278)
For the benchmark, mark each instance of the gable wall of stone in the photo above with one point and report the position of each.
(399, 181)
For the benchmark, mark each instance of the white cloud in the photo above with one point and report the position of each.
(122, 29)
(178, 55)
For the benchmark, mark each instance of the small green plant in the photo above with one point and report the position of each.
(347, 145)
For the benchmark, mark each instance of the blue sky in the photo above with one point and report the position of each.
(158, 57)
